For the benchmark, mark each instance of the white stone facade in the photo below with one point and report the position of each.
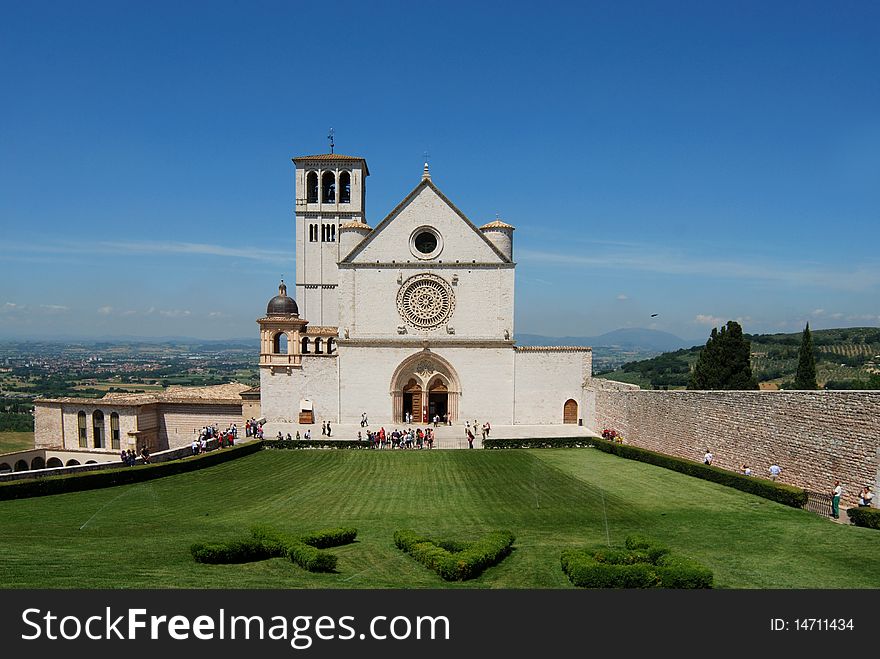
(419, 312)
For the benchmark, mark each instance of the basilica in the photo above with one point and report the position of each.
(414, 316)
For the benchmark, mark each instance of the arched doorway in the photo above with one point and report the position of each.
(438, 400)
(38, 463)
(425, 384)
(54, 462)
(412, 400)
(570, 411)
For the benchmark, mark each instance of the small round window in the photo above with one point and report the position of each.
(425, 243)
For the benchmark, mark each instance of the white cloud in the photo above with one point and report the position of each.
(54, 308)
(622, 297)
(105, 311)
(706, 319)
(818, 312)
(175, 313)
(150, 247)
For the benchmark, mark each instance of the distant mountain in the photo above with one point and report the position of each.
(647, 340)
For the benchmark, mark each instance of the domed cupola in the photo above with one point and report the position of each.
(282, 304)
(500, 234)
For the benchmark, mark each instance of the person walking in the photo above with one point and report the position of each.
(775, 470)
(329, 429)
(835, 500)
(707, 459)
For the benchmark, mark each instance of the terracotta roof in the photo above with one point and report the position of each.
(356, 225)
(220, 393)
(498, 224)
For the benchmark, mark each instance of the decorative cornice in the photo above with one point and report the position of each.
(553, 349)
(419, 342)
(428, 266)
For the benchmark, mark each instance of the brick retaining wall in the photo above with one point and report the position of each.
(816, 437)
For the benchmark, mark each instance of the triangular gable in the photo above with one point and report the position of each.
(425, 183)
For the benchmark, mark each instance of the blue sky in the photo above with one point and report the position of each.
(704, 161)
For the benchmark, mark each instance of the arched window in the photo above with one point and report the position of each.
(114, 430)
(279, 344)
(312, 187)
(331, 346)
(54, 462)
(305, 345)
(21, 465)
(328, 188)
(98, 428)
(313, 233)
(81, 429)
(344, 188)
(72, 463)
(318, 350)
(332, 233)
(5, 468)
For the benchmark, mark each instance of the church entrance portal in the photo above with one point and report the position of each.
(412, 400)
(425, 385)
(438, 401)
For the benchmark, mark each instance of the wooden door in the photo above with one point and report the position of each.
(570, 411)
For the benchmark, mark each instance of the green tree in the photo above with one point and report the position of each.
(806, 369)
(725, 361)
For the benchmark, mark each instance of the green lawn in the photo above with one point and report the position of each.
(138, 536)
(16, 441)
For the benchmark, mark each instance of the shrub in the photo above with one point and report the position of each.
(455, 560)
(642, 564)
(317, 444)
(266, 542)
(540, 442)
(310, 558)
(867, 517)
(330, 537)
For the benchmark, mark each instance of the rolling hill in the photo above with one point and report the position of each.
(846, 358)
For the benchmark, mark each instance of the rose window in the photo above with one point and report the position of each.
(425, 301)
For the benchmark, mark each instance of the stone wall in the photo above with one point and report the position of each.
(180, 423)
(817, 437)
(547, 377)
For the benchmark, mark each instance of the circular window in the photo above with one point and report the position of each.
(425, 301)
(425, 243)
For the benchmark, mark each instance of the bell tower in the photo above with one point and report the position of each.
(330, 193)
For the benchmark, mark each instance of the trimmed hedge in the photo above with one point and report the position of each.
(641, 564)
(266, 542)
(311, 558)
(330, 537)
(455, 560)
(788, 495)
(317, 443)
(863, 516)
(539, 442)
(121, 475)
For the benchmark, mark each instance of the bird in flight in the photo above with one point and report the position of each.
(654, 314)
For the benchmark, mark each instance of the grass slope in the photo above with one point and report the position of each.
(139, 536)
(16, 441)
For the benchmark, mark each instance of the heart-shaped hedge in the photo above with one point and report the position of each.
(455, 560)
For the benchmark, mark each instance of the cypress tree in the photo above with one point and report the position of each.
(725, 361)
(806, 370)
